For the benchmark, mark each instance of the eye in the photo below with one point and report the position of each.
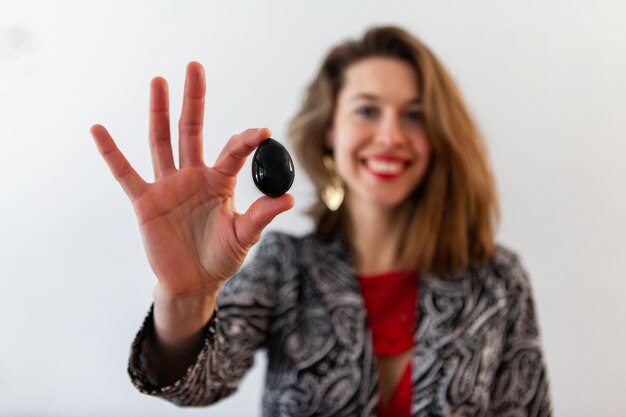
(416, 115)
(367, 111)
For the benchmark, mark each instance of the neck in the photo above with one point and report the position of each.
(374, 234)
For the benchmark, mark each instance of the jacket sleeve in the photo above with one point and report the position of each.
(236, 330)
(521, 386)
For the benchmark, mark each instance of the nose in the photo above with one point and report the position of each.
(390, 132)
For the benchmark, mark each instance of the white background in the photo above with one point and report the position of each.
(545, 81)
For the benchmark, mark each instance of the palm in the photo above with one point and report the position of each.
(187, 227)
(193, 237)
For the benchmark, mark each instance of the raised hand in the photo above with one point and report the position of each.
(192, 235)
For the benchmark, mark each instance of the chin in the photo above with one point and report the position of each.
(389, 201)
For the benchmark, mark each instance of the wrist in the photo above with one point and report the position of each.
(180, 319)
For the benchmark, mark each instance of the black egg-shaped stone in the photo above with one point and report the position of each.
(272, 168)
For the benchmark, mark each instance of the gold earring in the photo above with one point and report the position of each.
(333, 193)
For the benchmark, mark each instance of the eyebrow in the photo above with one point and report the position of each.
(373, 97)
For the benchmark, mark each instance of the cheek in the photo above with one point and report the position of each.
(344, 159)
(421, 145)
(345, 146)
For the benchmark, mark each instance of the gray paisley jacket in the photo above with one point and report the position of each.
(477, 350)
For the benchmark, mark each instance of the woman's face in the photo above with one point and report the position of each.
(378, 141)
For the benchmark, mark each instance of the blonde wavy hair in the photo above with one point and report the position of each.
(451, 216)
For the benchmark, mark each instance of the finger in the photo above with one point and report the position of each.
(191, 118)
(160, 139)
(249, 225)
(237, 149)
(131, 182)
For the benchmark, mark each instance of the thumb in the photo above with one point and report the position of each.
(248, 226)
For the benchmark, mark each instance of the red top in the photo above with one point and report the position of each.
(391, 304)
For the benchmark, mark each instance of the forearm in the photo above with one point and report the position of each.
(178, 335)
(212, 349)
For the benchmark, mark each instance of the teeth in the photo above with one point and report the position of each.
(385, 167)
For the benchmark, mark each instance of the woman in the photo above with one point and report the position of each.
(399, 303)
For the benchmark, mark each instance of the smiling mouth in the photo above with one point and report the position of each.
(387, 168)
